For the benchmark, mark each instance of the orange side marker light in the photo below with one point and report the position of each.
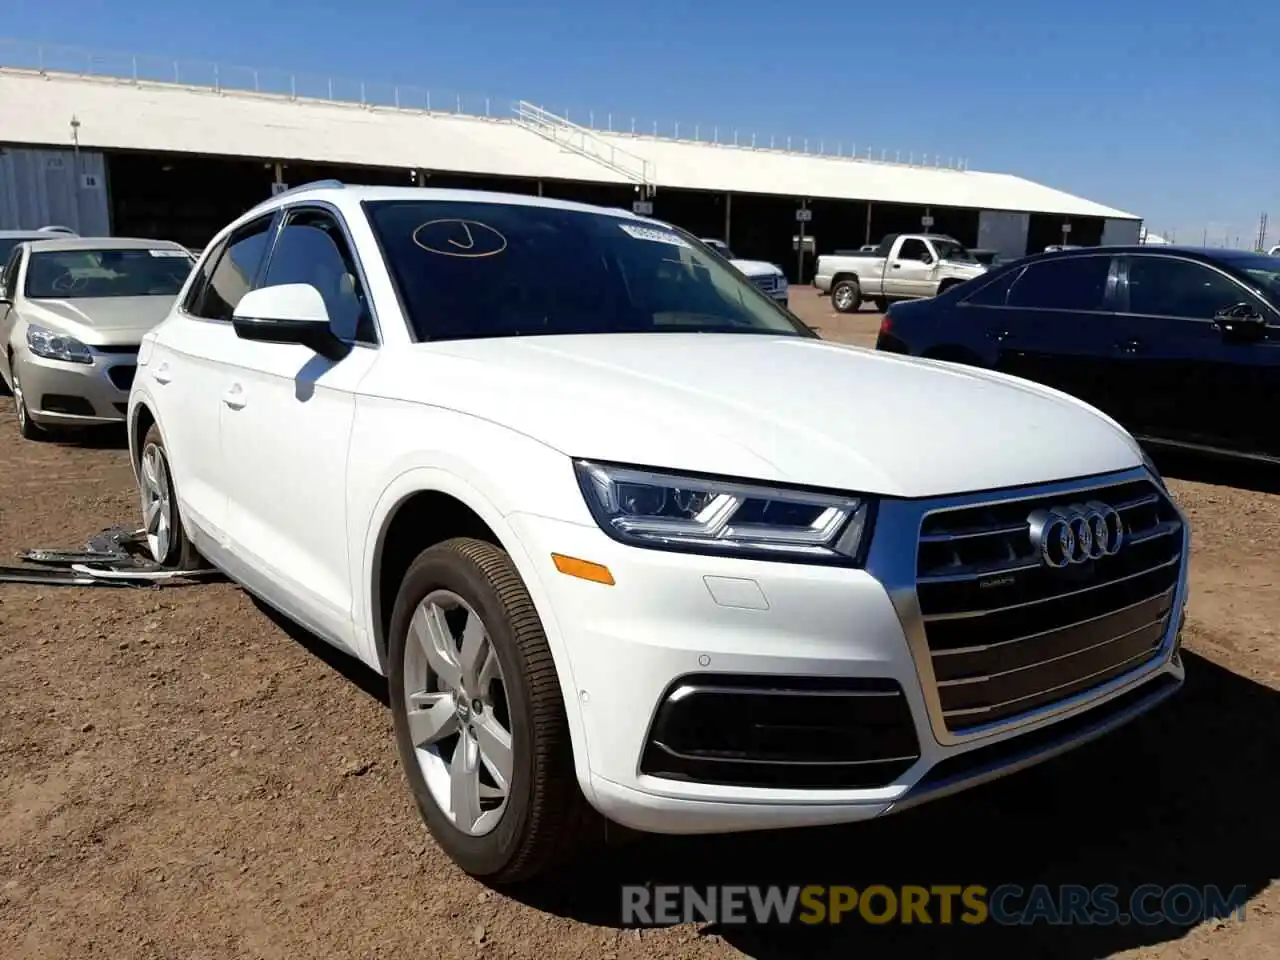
(583, 569)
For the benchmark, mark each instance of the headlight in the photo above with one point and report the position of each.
(55, 346)
(700, 515)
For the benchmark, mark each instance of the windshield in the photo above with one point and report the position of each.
(1264, 271)
(81, 274)
(950, 250)
(475, 270)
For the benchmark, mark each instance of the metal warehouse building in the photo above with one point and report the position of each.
(109, 151)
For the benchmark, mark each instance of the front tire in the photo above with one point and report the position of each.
(28, 428)
(161, 517)
(479, 719)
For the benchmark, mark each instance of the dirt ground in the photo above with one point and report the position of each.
(182, 777)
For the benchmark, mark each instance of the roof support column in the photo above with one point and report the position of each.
(539, 188)
(866, 237)
(728, 219)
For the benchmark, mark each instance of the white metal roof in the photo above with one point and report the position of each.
(121, 114)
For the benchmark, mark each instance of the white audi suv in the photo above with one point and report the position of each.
(629, 540)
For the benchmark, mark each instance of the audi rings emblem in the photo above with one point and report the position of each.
(1079, 533)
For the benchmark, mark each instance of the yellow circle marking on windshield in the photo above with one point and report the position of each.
(460, 238)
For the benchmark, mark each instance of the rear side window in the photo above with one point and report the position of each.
(217, 291)
(995, 292)
(1072, 283)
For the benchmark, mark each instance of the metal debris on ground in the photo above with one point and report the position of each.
(117, 557)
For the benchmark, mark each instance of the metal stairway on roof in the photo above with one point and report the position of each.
(585, 143)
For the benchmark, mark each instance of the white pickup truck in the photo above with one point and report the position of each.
(906, 266)
(767, 276)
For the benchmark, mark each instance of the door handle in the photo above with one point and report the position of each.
(1129, 346)
(897, 266)
(234, 397)
(162, 374)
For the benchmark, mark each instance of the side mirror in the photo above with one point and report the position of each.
(288, 313)
(1241, 323)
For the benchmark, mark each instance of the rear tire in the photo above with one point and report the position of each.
(882, 305)
(161, 516)
(846, 296)
(462, 615)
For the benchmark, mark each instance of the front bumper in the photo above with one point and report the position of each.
(677, 620)
(62, 394)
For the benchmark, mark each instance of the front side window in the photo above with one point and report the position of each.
(1263, 271)
(95, 274)
(913, 250)
(1167, 287)
(468, 270)
(1069, 283)
(312, 249)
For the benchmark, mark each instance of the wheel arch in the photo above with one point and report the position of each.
(446, 505)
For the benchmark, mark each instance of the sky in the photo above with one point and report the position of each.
(1168, 110)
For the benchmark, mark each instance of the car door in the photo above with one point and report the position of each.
(909, 269)
(1198, 380)
(184, 373)
(286, 425)
(1056, 326)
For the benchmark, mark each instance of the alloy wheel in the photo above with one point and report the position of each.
(844, 298)
(458, 719)
(157, 502)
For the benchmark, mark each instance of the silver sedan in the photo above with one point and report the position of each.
(72, 314)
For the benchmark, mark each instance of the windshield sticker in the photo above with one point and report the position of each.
(459, 238)
(179, 254)
(657, 236)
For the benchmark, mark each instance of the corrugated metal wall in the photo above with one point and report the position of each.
(1003, 231)
(1121, 232)
(65, 188)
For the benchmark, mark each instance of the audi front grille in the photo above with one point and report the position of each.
(1032, 601)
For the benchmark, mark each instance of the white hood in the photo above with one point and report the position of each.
(757, 268)
(786, 409)
(972, 269)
